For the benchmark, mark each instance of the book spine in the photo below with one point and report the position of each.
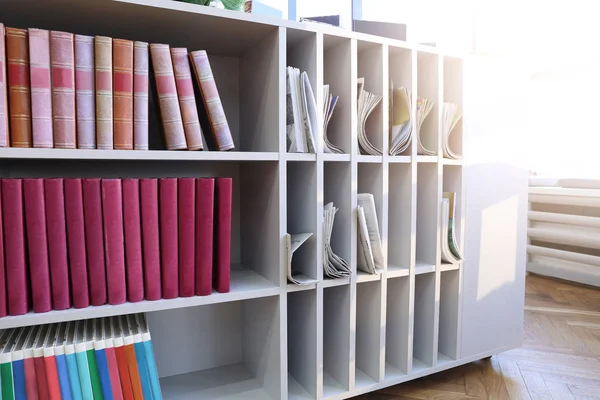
(222, 264)
(30, 379)
(112, 212)
(167, 97)
(40, 377)
(104, 92)
(140, 96)
(76, 242)
(85, 98)
(212, 101)
(62, 57)
(186, 215)
(14, 242)
(37, 244)
(187, 100)
(113, 371)
(41, 91)
(150, 238)
(92, 210)
(205, 195)
(124, 373)
(57, 242)
(17, 60)
(168, 237)
(4, 131)
(3, 306)
(133, 240)
(123, 93)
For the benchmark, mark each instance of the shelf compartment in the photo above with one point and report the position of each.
(449, 315)
(398, 326)
(453, 182)
(400, 216)
(453, 93)
(337, 73)
(424, 320)
(428, 200)
(428, 86)
(234, 352)
(369, 307)
(302, 343)
(336, 340)
(370, 180)
(337, 178)
(370, 66)
(401, 75)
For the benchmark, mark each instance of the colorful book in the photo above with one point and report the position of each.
(82, 362)
(6, 372)
(4, 131)
(222, 254)
(140, 95)
(187, 100)
(104, 92)
(85, 97)
(50, 363)
(18, 365)
(102, 362)
(121, 359)
(62, 57)
(123, 94)
(3, 305)
(133, 240)
(205, 204)
(39, 364)
(150, 360)
(61, 363)
(41, 90)
(142, 363)
(91, 359)
(111, 360)
(168, 237)
(112, 211)
(134, 374)
(94, 239)
(17, 60)
(186, 239)
(150, 238)
(29, 365)
(71, 360)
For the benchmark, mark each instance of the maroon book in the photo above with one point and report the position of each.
(76, 243)
(168, 237)
(187, 204)
(14, 241)
(205, 195)
(37, 244)
(222, 256)
(150, 238)
(57, 242)
(92, 210)
(3, 310)
(133, 240)
(114, 248)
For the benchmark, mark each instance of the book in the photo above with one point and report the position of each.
(186, 188)
(222, 252)
(426, 145)
(400, 120)
(82, 362)
(3, 303)
(85, 97)
(17, 65)
(71, 360)
(102, 361)
(4, 131)
(168, 237)
(50, 363)
(62, 58)
(134, 374)
(451, 116)
(167, 97)
(91, 357)
(150, 359)
(41, 91)
(37, 244)
(39, 364)
(114, 250)
(119, 345)
(61, 362)
(150, 238)
(140, 357)
(133, 240)
(123, 94)
(205, 204)
(140, 95)
(368, 220)
(18, 365)
(29, 365)
(219, 133)
(94, 240)
(187, 100)
(367, 102)
(302, 124)
(6, 371)
(104, 92)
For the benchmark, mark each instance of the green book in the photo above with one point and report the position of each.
(94, 375)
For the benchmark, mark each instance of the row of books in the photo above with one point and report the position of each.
(71, 91)
(108, 358)
(81, 242)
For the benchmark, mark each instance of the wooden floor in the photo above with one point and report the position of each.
(559, 360)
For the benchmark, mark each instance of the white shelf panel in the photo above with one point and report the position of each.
(395, 271)
(336, 157)
(392, 372)
(300, 157)
(418, 366)
(427, 159)
(399, 159)
(331, 387)
(296, 391)
(292, 287)
(447, 161)
(231, 382)
(449, 267)
(245, 284)
(423, 268)
(335, 282)
(444, 359)
(368, 159)
(362, 380)
(364, 277)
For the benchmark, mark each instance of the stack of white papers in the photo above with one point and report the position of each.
(424, 107)
(329, 102)
(301, 113)
(400, 120)
(370, 250)
(293, 242)
(451, 114)
(366, 104)
(334, 266)
(450, 251)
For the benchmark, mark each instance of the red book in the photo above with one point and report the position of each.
(104, 92)
(140, 96)
(133, 240)
(94, 240)
(187, 100)
(37, 244)
(4, 132)
(114, 249)
(123, 94)
(62, 57)
(205, 198)
(54, 194)
(19, 96)
(187, 204)
(85, 100)
(76, 242)
(3, 310)
(168, 237)
(41, 92)
(150, 238)
(40, 377)
(222, 256)
(14, 245)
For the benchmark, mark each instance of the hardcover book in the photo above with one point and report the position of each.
(62, 57)
(123, 94)
(41, 91)
(17, 59)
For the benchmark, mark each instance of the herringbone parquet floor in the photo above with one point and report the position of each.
(559, 360)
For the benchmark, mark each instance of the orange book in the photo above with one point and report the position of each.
(123, 94)
(17, 57)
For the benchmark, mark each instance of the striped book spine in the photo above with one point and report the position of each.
(123, 94)
(187, 100)
(104, 92)
(140, 96)
(17, 60)
(84, 92)
(62, 57)
(4, 132)
(41, 91)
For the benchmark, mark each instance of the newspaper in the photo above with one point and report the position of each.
(424, 107)
(293, 242)
(451, 114)
(452, 242)
(450, 251)
(401, 125)
(367, 102)
(329, 103)
(334, 266)
(301, 112)
(371, 260)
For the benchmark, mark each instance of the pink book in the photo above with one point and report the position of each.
(76, 242)
(150, 238)
(133, 240)
(114, 250)
(14, 245)
(187, 204)
(205, 195)
(222, 256)
(62, 57)
(37, 244)
(54, 194)
(94, 240)
(4, 132)
(187, 100)
(104, 92)
(84, 92)
(140, 96)
(41, 91)
(3, 310)
(168, 237)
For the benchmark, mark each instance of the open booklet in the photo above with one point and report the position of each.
(401, 125)
(292, 243)
(329, 103)
(301, 113)
(369, 248)
(334, 266)
(450, 250)
(451, 114)
(424, 107)
(366, 104)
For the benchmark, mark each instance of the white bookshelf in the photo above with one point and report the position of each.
(267, 338)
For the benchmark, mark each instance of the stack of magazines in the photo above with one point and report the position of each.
(334, 266)
(450, 251)
(301, 113)
(366, 104)
(424, 107)
(451, 114)
(329, 102)
(370, 250)
(400, 119)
